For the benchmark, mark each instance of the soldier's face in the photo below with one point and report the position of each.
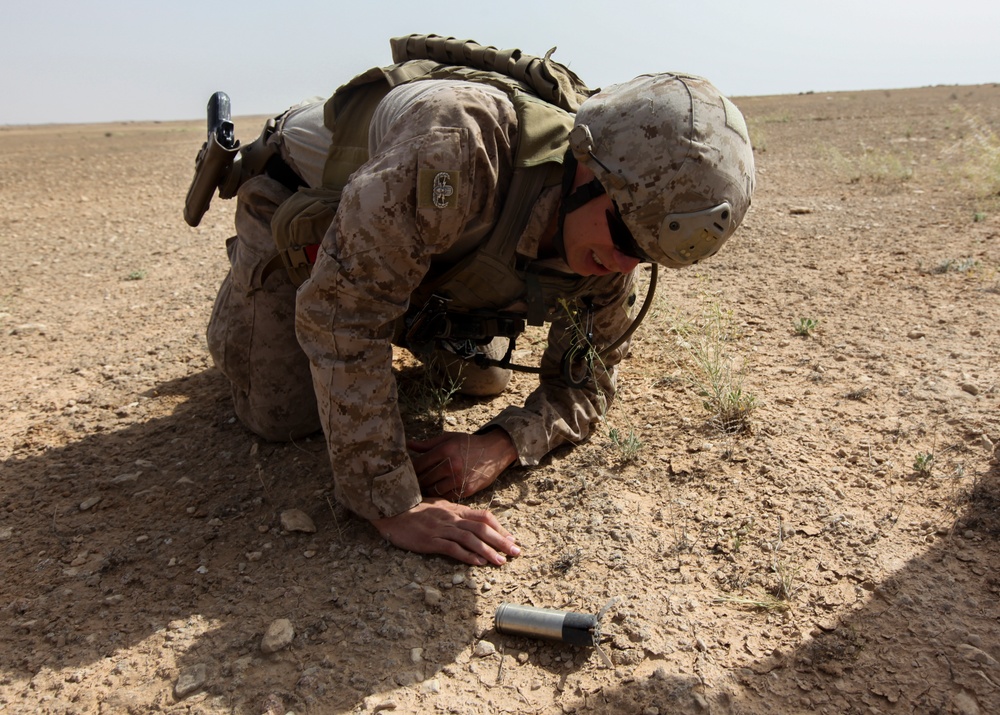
(587, 241)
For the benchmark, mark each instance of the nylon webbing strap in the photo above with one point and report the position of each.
(552, 81)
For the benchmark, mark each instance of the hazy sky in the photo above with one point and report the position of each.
(109, 60)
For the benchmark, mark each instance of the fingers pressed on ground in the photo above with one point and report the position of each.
(456, 551)
(476, 542)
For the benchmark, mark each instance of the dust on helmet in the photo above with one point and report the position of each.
(675, 157)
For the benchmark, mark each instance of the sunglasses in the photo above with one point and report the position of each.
(622, 238)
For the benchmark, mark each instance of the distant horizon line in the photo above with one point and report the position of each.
(254, 115)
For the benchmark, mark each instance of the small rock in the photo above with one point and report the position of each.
(987, 443)
(915, 334)
(432, 597)
(484, 648)
(297, 520)
(416, 655)
(88, 504)
(190, 680)
(970, 388)
(29, 329)
(273, 705)
(965, 704)
(6, 533)
(976, 655)
(279, 635)
(457, 579)
(407, 678)
(432, 686)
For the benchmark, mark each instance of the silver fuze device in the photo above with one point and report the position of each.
(564, 626)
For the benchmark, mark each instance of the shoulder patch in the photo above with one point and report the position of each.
(439, 189)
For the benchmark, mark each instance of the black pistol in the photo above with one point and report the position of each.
(214, 163)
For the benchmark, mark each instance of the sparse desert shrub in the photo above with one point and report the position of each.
(627, 446)
(977, 156)
(714, 370)
(805, 326)
(873, 165)
(956, 265)
(923, 464)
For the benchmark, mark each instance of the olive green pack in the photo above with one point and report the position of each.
(544, 93)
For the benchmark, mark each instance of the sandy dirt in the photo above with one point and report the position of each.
(839, 556)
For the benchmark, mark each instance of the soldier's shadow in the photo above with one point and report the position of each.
(161, 543)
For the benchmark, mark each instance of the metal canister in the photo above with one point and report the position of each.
(564, 626)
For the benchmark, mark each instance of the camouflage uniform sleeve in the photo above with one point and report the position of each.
(434, 173)
(557, 413)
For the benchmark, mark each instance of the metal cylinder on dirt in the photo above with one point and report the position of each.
(548, 623)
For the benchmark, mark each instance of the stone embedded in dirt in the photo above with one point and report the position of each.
(965, 704)
(915, 334)
(90, 503)
(127, 477)
(297, 520)
(190, 680)
(977, 655)
(406, 678)
(969, 387)
(273, 705)
(432, 597)
(29, 329)
(279, 635)
(484, 648)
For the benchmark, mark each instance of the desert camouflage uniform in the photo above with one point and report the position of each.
(387, 234)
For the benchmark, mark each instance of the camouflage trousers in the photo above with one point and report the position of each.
(251, 333)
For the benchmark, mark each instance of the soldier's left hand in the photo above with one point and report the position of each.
(454, 465)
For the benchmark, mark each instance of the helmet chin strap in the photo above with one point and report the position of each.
(573, 199)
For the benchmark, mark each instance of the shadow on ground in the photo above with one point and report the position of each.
(162, 541)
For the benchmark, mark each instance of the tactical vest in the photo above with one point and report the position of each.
(489, 277)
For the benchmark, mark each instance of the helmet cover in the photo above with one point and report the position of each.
(674, 155)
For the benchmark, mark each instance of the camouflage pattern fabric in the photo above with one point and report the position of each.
(390, 225)
(251, 334)
(437, 177)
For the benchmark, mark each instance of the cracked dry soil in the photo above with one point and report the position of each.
(841, 556)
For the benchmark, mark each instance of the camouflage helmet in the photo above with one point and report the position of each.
(675, 157)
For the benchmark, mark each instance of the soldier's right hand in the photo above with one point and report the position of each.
(438, 526)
